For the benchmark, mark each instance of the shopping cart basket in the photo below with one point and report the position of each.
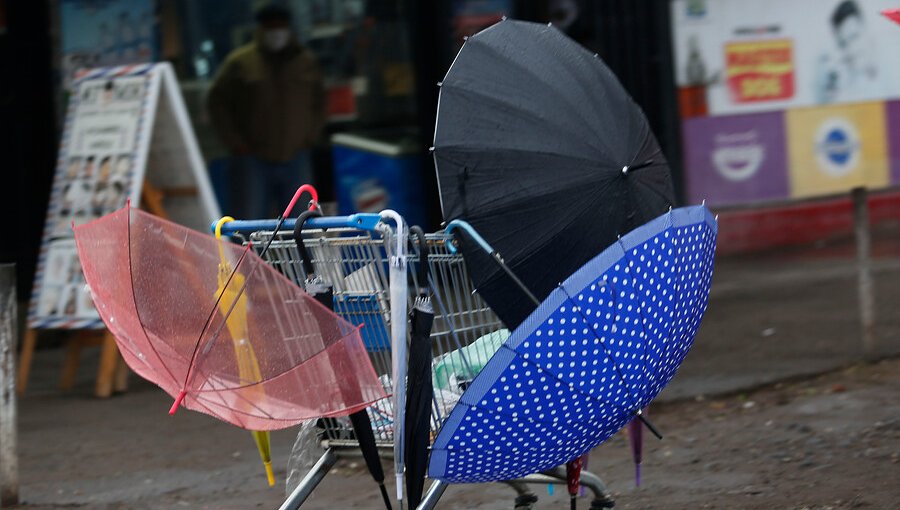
(354, 253)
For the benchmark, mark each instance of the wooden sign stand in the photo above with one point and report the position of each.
(127, 136)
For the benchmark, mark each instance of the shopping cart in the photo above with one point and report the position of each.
(354, 253)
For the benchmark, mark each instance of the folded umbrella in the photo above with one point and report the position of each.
(636, 438)
(154, 284)
(595, 352)
(420, 389)
(573, 479)
(236, 322)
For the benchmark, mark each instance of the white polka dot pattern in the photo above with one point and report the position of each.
(602, 346)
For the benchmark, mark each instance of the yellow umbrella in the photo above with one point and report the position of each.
(248, 366)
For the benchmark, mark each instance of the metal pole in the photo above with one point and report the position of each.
(9, 457)
(864, 265)
(432, 496)
(310, 481)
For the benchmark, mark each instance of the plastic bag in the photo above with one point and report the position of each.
(306, 452)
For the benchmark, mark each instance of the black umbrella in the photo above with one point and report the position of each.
(323, 291)
(539, 147)
(419, 387)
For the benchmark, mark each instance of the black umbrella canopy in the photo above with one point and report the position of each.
(539, 147)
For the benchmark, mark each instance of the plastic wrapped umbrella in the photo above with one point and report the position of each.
(154, 284)
(602, 345)
(323, 291)
(248, 365)
(539, 147)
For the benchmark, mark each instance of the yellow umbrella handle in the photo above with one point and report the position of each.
(223, 220)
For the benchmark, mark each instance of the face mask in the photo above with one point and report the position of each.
(276, 39)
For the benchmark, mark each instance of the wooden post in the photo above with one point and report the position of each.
(864, 265)
(26, 357)
(9, 456)
(106, 372)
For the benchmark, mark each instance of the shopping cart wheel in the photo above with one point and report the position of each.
(526, 502)
(605, 502)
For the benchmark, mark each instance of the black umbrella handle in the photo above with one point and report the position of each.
(298, 238)
(422, 274)
(640, 416)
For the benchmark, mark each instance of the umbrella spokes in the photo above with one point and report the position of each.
(306, 188)
(476, 237)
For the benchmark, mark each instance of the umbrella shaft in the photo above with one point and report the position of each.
(499, 260)
(650, 426)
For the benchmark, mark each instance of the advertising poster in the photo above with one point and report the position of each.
(95, 178)
(126, 128)
(736, 159)
(768, 55)
(836, 148)
(100, 33)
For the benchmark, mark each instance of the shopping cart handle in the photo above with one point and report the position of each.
(360, 221)
(455, 224)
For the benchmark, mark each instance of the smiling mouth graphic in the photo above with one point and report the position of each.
(738, 163)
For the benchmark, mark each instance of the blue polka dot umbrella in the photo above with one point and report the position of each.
(601, 346)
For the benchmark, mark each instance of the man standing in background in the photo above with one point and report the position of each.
(267, 104)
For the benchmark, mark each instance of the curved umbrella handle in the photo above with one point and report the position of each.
(313, 203)
(218, 229)
(422, 275)
(390, 214)
(221, 221)
(298, 238)
(455, 224)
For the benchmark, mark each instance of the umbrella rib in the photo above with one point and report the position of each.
(215, 308)
(597, 336)
(675, 301)
(134, 299)
(287, 371)
(208, 410)
(242, 397)
(643, 326)
(198, 398)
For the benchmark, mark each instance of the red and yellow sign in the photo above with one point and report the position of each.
(760, 70)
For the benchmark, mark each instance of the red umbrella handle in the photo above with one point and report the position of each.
(313, 204)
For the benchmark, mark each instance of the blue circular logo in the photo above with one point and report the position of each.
(837, 147)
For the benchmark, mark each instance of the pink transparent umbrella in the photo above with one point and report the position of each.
(892, 14)
(161, 290)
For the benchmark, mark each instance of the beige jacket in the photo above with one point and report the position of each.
(268, 105)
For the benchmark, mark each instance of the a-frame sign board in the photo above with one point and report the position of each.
(127, 135)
